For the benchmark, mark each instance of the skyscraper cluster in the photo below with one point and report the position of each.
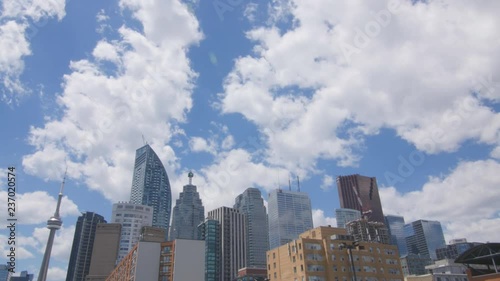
(234, 243)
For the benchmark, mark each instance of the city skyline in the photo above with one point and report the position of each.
(250, 94)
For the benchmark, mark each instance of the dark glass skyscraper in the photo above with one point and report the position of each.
(188, 213)
(290, 214)
(251, 204)
(83, 244)
(361, 193)
(424, 237)
(396, 225)
(151, 187)
(209, 231)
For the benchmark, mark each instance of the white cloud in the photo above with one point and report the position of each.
(319, 100)
(19, 21)
(327, 182)
(465, 201)
(228, 142)
(38, 207)
(104, 115)
(56, 273)
(228, 176)
(198, 144)
(250, 10)
(319, 219)
(63, 241)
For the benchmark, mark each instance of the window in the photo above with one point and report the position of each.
(293, 259)
(294, 269)
(274, 255)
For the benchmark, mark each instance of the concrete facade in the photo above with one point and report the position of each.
(106, 244)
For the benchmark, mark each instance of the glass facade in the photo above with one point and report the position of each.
(188, 213)
(290, 214)
(344, 216)
(151, 187)
(251, 204)
(210, 232)
(361, 193)
(396, 225)
(424, 237)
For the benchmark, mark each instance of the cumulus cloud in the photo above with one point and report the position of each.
(105, 112)
(228, 176)
(56, 273)
(319, 219)
(38, 207)
(327, 182)
(198, 144)
(19, 22)
(345, 70)
(465, 201)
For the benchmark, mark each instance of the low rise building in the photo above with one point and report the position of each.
(328, 253)
(177, 260)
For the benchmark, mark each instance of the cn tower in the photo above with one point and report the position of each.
(54, 223)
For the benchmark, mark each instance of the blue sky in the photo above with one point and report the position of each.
(248, 93)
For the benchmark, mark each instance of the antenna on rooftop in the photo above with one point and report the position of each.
(289, 184)
(298, 183)
(143, 140)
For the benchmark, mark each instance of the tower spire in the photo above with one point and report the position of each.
(190, 176)
(53, 224)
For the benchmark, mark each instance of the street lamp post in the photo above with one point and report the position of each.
(349, 248)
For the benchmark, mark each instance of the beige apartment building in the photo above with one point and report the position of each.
(330, 254)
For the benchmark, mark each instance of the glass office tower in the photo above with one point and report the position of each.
(290, 214)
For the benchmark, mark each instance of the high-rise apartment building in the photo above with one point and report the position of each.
(83, 244)
(233, 241)
(251, 204)
(106, 244)
(361, 193)
(188, 213)
(396, 226)
(329, 254)
(343, 216)
(132, 217)
(424, 237)
(151, 187)
(290, 214)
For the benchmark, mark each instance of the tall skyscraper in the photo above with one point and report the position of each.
(83, 245)
(132, 217)
(251, 204)
(151, 187)
(233, 241)
(290, 214)
(209, 231)
(188, 213)
(343, 216)
(396, 226)
(361, 193)
(424, 237)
